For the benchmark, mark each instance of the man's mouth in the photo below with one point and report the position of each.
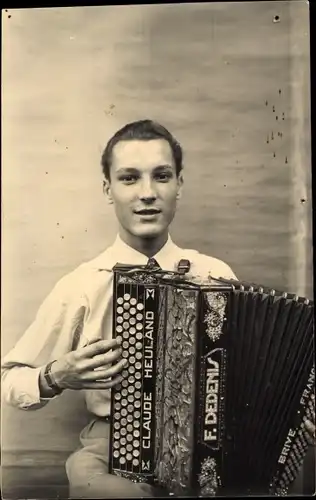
(148, 211)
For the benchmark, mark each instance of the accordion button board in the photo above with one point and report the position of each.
(218, 382)
(133, 399)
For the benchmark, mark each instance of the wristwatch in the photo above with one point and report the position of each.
(50, 379)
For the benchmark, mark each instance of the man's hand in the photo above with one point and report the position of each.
(90, 367)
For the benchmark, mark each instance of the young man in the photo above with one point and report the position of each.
(70, 345)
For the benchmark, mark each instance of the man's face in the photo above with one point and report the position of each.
(143, 187)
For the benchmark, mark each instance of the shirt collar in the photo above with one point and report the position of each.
(167, 257)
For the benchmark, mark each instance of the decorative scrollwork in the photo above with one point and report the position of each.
(176, 447)
(135, 478)
(208, 477)
(138, 277)
(215, 315)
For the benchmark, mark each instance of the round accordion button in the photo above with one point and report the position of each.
(120, 300)
(120, 310)
(133, 301)
(140, 307)
(127, 296)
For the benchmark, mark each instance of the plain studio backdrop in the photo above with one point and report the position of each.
(230, 80)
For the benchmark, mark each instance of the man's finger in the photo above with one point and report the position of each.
(92, 341)
(310, 428)
(101, 385)
(99, 347)
(102, 359)
(107, 373)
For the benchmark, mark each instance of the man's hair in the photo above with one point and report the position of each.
(144, 130)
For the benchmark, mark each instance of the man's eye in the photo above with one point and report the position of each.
(163, 176)
(128, 179)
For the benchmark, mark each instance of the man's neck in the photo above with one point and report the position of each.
(146, 246)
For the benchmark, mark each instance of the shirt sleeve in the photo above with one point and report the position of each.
(210, 268)
(226, 272)
(53, 333)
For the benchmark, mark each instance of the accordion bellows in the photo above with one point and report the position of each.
(220, 377)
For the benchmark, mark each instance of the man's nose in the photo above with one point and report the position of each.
(147, 191)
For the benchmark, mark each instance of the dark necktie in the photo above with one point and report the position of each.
(152, 264)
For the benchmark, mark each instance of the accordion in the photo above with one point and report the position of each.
(220, 377)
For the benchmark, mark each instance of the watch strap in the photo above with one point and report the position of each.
(50, 379)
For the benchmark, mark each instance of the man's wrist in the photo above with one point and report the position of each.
(51, 379)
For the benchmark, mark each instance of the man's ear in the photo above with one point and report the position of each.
(107, 190)
(180, 186)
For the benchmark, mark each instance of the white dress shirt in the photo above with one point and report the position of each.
(78, 310)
